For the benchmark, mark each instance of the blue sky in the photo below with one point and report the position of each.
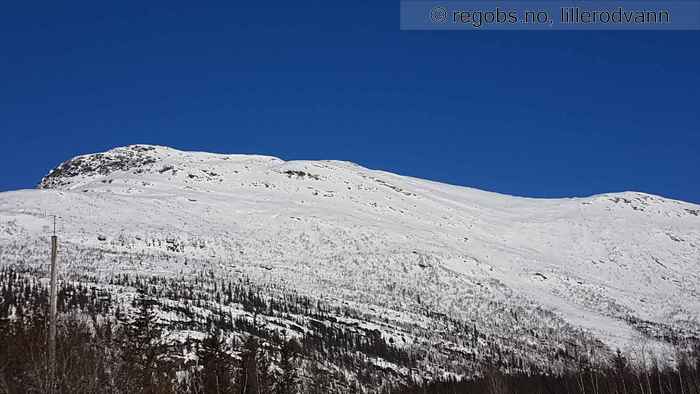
(532, 113)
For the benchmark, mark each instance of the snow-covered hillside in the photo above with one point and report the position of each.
(416, 258)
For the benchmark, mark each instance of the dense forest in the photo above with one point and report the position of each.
(98, 355)
(108, 346)
(617, 376)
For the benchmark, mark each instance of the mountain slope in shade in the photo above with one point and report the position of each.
(416, 258)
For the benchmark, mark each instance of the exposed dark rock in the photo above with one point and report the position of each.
(301, 174)
(132, 158)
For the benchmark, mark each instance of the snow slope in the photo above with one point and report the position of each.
(617, 265)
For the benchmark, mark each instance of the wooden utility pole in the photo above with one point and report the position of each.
(52, 311)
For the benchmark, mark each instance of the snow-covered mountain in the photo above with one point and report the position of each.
(449, 270)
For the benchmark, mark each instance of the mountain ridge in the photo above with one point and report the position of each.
(163, 148)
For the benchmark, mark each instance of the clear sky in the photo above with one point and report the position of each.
(530, 113)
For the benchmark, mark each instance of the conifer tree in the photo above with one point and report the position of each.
(289, 381)
(265, 378)
(248, 373)
(144, 352)
(217, 365)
